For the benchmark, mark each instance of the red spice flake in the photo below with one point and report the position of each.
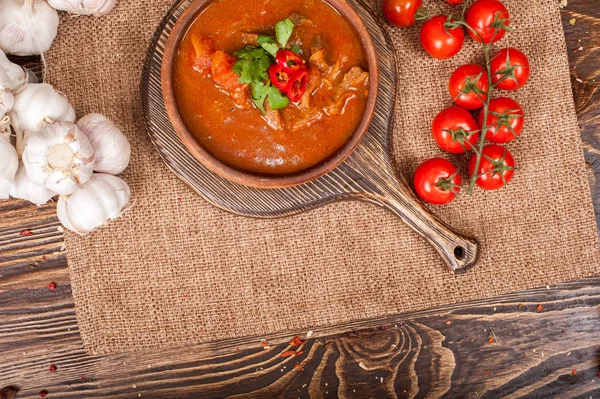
(52, 286)
(264, 343)
(487, 371)
(298, 366)
(44, 258)
(26, 233)
(597, 373)
(449, 322)
(539, 307)
(179, 199)
(82, 377)
(52, 368)
(43, 393)
(491, 340)
(296, 341)
(288, 353)
(563, 331)
(237, 349)
(299, 353)
(574, 372)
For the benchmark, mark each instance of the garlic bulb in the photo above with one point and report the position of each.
(23, 188)
(84, 7)
(12, 76)
(9, 162)
(27, 27)
(59, 157)
(38, 104)
(111, 147)
(101, 199)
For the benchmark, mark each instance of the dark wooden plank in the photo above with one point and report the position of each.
(444, 351)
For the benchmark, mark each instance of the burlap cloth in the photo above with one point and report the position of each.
(175, 270)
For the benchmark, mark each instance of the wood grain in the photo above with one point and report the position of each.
(538, 352)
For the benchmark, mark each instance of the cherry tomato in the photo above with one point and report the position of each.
(497, 167)
(510, 69)
(454, 2)
(505, 120)
(441, 38)
(488, 18)
(401, 13)
(289, 61)
(469, 86)
(455, 130)
(437, 181)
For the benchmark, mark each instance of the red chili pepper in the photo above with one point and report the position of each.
(280, 78)
(297, 86)
(289, 61)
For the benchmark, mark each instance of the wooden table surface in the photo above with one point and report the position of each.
(541, 343)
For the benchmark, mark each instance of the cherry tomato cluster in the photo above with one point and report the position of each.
(289, 74)
(455, 129)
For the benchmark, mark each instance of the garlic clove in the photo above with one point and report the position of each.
(9, 162)
(84, 7)
(27, 27)
(104, 197)
(23, 188)
(59, 157)
(12, 76)
(111, 147)
(5, 127)
(36, 105)
(7, 102)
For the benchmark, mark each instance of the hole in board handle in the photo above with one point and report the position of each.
(459, 253)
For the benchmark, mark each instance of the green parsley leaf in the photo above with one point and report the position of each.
(252, 65)
(250, 53)
(283, 31)
(259, 94)
(268, 43)
(277, 100)
(296, 49)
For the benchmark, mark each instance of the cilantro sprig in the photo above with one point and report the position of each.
(253, 65)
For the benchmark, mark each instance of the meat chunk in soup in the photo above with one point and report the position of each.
(328, 89)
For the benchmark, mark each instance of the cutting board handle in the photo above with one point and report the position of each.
(383, 188)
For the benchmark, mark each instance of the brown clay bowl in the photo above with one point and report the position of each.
(252, 179)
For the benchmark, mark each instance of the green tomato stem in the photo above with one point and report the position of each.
(486, 106)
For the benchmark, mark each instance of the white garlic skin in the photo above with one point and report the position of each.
(7, 102)
(9, 162)
(60, 157)
(37, 104)
(12, 76)
(104, 197)
(84, 7)
(5, 127)
(23, 188)
(27, 27)
(111, 147)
